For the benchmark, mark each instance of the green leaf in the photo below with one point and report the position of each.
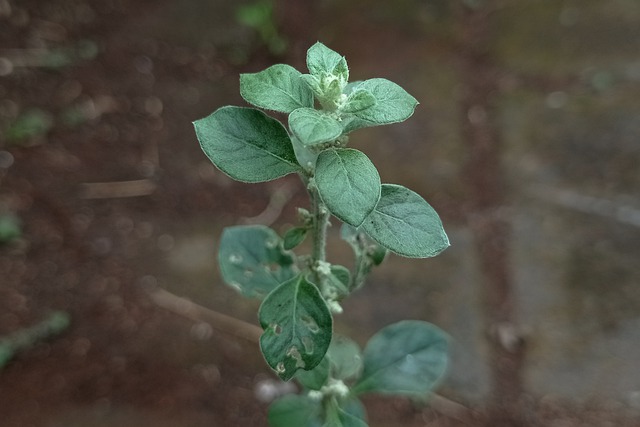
(345, 357)
(294, 410)
(10, 228)
(348, 183)
(322, 60)
(406, 224)
(377, 254)
(340, 278)
(393, 105)
(354, 407)
(278, 88)
(359, 100)
(30, 124)
(294, 236)
(252, 260)
(339, 417)
(315, 378)
(246, 144)
(314, 84)
(406, 358)
(349, 420)
(298, 327)
(314, 127)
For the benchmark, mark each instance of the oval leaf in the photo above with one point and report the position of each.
(252, 260)
(345, 357)
(406, 224)
(298, 327)
(322, 60)
(406, 358)
(359, 100)
(246, 144)
(348, 183)
(314, 127)
(392, 105)
(278, 88)
(294, 236)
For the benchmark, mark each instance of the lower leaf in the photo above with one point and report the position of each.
(406, 358)
(298, 327)
(294, 410)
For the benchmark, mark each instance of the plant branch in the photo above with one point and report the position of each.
(319, 230)
(198, 313)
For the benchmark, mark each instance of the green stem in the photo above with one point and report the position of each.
(320, 215)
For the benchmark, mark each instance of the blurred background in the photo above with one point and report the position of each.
(526, 141)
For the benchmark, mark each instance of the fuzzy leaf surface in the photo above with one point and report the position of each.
(314, 127)
(321, 61)
(278, 88)
(297, 327)
(406, 358)
(252, 260)
(406, 224)
(348, 183)
(392, 105)
(358, 101)
(246, 144)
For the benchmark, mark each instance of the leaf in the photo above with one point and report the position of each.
(278, 88)
(340, 278)
(354, 407)
(348, 183)
(252, 260)
(349, 420)
(393, 105)
(359, 100)
(295, 410)
(406, 358)
(377, 254)
(315, 378)
(298, 327)
(294, 236)
(345, 357)
(339, 417)
(321, 59)
(406, 224)
(246, 144)
(314, 127)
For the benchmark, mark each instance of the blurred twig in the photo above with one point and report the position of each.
(109, 190)
(198, 313)
(279, 198)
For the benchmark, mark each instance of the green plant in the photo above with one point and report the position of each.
(260, 17)
(300, 293)
(56, 323)
(10, 228)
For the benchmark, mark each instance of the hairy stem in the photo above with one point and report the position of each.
(320, 218)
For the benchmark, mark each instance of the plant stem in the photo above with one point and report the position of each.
(320, 215)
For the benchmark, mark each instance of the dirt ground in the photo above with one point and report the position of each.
(121, 116)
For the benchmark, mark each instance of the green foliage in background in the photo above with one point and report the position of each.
(260, 16)
(10, 228)
(300, 293)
